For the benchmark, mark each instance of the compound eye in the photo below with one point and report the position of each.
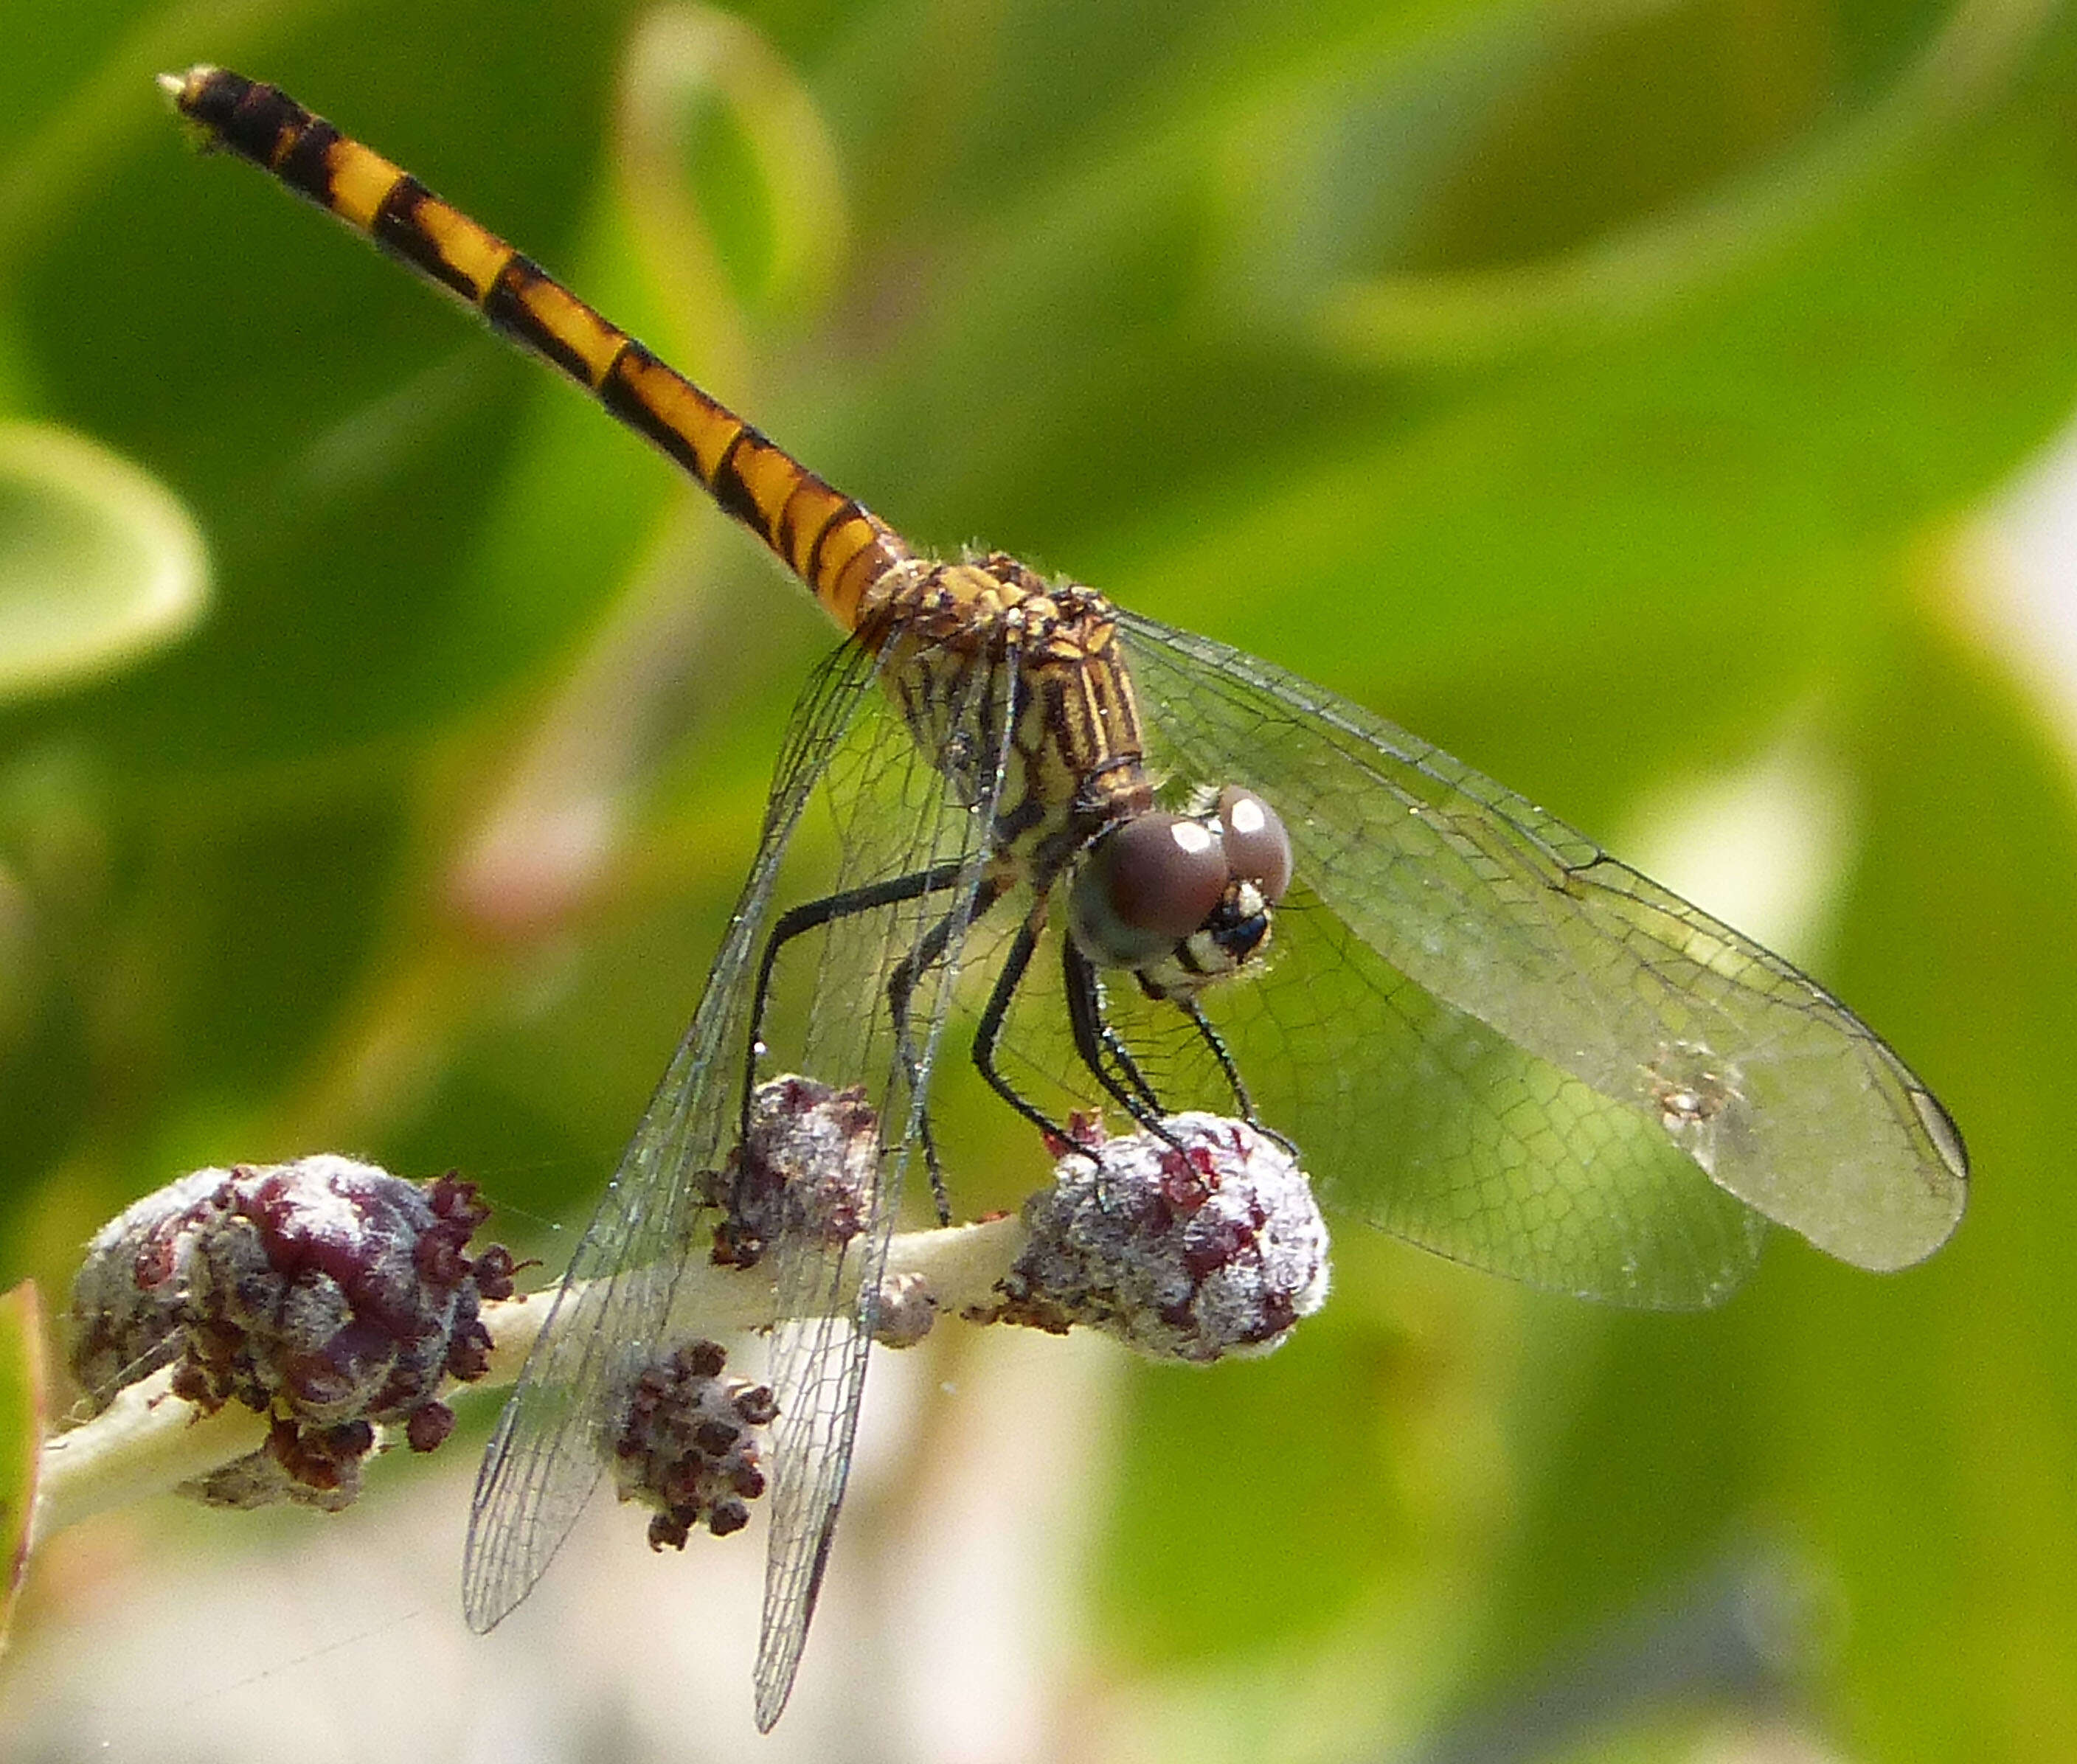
(1163, 874)
(1145, 886)
(1257, 849)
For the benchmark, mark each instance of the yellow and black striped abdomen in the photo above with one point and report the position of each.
(845, 554)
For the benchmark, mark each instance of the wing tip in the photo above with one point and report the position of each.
(778, 1665)
(1897, 1238)
(1924, 1227)
(482, 1616)
(1945, 1133)
(488, 1594)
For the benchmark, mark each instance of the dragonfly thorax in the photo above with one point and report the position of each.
(1182, 899)
(993, 664)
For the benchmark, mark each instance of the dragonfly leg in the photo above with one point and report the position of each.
(1102, 1048)
(987, 1033)
(902, 987)
(1094, 1041)
(808, 917)
(1216, 1042)
(1191, 1008)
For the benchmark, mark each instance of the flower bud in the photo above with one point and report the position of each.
(805, 1169)
(325, 1292)
(1192, 1246)
(686, 1444)
(905, 1310)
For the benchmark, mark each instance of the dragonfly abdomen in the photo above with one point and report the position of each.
(842, 552)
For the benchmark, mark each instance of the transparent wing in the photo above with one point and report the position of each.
(1422, 1119)
(896, 815)
(546, 1455)
(1469, 919)
(1432, 1124)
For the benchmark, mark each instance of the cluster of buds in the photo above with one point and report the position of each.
(1193, 1240)
(687, 1445)
(336, 1300)
(1191, 1243)
(326, 1293)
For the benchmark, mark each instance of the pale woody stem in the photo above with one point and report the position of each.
(148, 1441)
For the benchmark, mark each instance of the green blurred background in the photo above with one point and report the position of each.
(1618, 392)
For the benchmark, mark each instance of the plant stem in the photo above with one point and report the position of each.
(148, 1441)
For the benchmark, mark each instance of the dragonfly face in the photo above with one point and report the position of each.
(1183, 900)
(1489, 1037)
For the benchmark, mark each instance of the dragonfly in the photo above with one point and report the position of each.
(1156, 873)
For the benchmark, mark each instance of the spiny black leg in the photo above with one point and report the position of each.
(1217, 1042)
(1108, 1059)
(901, 989)
(987, 1033)
(806, 916)
(1095, 1038)
(1191, 1008)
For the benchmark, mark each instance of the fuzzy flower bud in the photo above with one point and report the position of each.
(1192, 1251)
(805, 1169)
(326, 1293)
(904, 1311)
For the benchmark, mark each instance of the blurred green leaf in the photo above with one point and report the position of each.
(99, 565)
(1924, 1428)
(23, 1421)
(1739, 462)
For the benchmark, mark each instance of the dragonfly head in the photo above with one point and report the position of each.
(1182, 899)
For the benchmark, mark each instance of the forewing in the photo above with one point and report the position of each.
(547, 1454)
(896, 814)
(1500, 913)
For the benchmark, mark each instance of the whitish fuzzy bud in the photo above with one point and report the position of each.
(806, 1169)
(326, 1293)
(1210, 1244)
(904, 1311)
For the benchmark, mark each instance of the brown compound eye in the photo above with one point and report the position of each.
(1257, 849)
(1163, 874)
(1146, 885)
